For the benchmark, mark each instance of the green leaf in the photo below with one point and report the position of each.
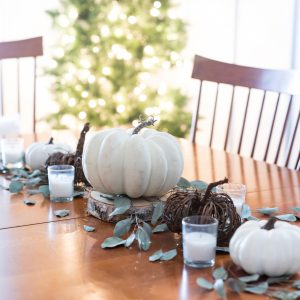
(278, 279)
(222, 249)
(296, 209)
(249, 278)
(220, 273)
(130, 240)
(183, 183)
(246, 211)
(258, 289)
(219, 288)
(78, 194)
(112, 242)
(169, 255)
(157, 212)
(237, 285)
(19, 172)
(253, 218)
(15, 186)
(285, 295)
(44, 189)
(29, 202)
(156, 255)
(160, 228)
(199, 184)
(143, 238)
(267, 210)
(35, 173)
(287, 217)
(202, 282)
(62, 213)
(147, 228)
(122, 204)
(33, 181)
(88, 228)
(122, 227)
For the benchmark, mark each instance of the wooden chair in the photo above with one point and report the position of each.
(20, 50)
(284, 84)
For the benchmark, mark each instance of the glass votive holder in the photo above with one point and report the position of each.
(199, 239)
(236, 191)
(12, 152)
(61, 182)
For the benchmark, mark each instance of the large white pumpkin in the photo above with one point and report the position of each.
(273, 251)
(37, 153)
(148, 163)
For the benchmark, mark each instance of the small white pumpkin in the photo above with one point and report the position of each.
(146, 163)
(37, 153)
(266, 247)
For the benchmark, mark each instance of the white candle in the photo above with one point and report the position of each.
(199, 246)
(12, 156)
(61, 185)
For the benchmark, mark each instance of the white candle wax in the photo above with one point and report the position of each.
(199, 246)
(61, 185)
(12, 156)
(238, 203)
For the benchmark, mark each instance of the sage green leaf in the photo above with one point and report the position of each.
(287, 217)
(296, 209)
(169, 255)
(33, 181)
(258, 289)
(160, 228)
(249, 278)
(29, 202)
(147, 228)
(19, 172)
(222, 249)
(122, 227)
(62, 213)
(199, 184)
(107, 196)
(183, 183)
(235, 284)
(220, 273)
(157, 212)
(143, 239)
(202, 282)
(15, 186)
(44, 189)
(246, 211)
(130, 240)
(35, 173)
(219, 288)
(253, 218)
(112, 242)
(285, 295)
(156, 255)
(267, 210)
(78, 194)
(278, 279)
(296, 284)
(122, 204)
(88, 228)
(33, 192)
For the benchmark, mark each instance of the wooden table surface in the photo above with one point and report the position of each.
(46, 257)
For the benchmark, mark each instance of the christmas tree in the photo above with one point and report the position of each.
(105, 67)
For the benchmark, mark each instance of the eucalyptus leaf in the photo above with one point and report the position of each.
(107, 196)
(296, 209)
(278, 279)
(258, 289)
(29, 202)
(143, 239)
(246, 211)
(253, 218)
(169, 255)
(219, 288)
(88, 228)
(122, 204)
(62, 213)
(147, 228)
(285, 295)
(35, 173)
(160, 228)
(156, 255)
(15, 186)
(19, 172)
(267, 210)
(222, 249)
(235, 284)
(78, 194)
(183, 183)
(287, 217)
(112, 242)
(220, 273)
(157, 212)
(44, 189)
(33, 181)
(130, 240)
(122, 227)
(202, 282)
(249, 278)
(199, 184)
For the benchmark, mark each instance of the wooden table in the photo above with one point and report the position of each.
(45, 257)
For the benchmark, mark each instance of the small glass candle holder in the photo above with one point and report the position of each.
(61, 183)
(12, 152)
(199, 239)
(236, 191)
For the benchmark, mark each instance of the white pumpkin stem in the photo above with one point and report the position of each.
(144, 124)
(270, 224)
(50, 141)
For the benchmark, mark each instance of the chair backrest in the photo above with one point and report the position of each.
(283, 84)
(18, 50)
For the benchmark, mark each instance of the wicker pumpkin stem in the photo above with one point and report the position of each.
(144, 124)
(79, 148)
(211, 186)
